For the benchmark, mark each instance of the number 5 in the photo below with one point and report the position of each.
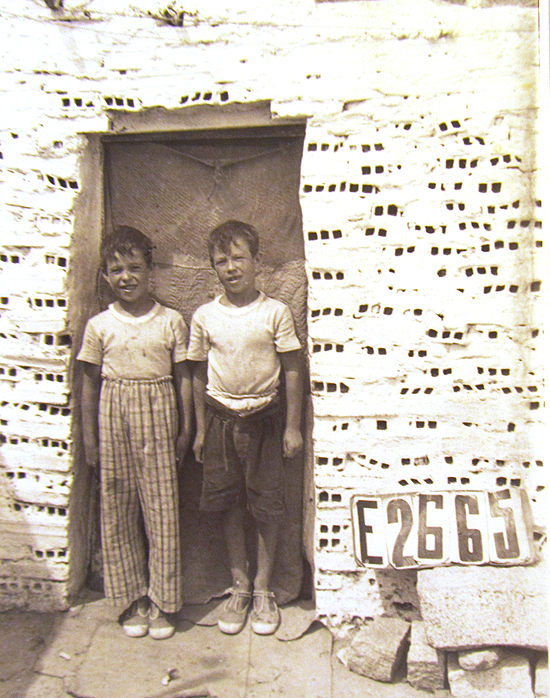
(503, 551)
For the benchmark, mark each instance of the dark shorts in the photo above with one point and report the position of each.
(243, 461)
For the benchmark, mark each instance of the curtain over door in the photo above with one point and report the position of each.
(176, 188)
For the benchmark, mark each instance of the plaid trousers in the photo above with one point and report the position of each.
(139, 490)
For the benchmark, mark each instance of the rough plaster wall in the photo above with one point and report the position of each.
(441, 94)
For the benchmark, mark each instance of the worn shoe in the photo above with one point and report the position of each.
(233, 614)
(135, 623)
(160, 627)
(265, 616)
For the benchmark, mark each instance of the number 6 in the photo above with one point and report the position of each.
(470, 543)
(424, 530)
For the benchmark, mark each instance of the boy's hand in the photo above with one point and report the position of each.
(182, 446)
(292, 442)
(198, 446)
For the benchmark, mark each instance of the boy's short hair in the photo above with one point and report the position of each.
(230, 231)
(125, 240)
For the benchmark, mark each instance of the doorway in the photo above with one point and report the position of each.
(176, 187)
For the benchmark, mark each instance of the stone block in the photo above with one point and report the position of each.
(479, 660)
(542, 679)
(510, 678)
(469, 607)
(425, 664)
(377, 649)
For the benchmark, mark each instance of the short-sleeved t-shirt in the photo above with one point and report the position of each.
(241, 347)
(135, 348)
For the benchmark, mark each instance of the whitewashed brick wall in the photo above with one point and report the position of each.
(422, 215)
(424, 321)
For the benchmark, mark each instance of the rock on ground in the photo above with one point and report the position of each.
(510, 678)
(377, 649)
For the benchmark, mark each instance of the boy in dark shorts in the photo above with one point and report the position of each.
(136, 419)
(240, 342)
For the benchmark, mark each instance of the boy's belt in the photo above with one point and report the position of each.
(271, 408)
(229, 418)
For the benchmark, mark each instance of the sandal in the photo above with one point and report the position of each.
(233, 614)
(265, 617)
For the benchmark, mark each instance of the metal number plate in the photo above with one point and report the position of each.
(427, 529)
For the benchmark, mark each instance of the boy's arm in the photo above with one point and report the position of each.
(184, 396)
(199, 391)
(292, 437)
(91, 386)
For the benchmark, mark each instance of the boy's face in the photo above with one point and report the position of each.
(236, 269)
(128, 276)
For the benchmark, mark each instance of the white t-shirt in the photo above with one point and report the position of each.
(135, 347)
(241, 347)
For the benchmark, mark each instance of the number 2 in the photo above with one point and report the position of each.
(402, 507)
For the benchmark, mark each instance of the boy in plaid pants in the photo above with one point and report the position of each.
(136, 415)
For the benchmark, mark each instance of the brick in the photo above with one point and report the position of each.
(542, 679)
(377, 649)
(425, 664)
(479, 660)
(469, 607)
(511, 678)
